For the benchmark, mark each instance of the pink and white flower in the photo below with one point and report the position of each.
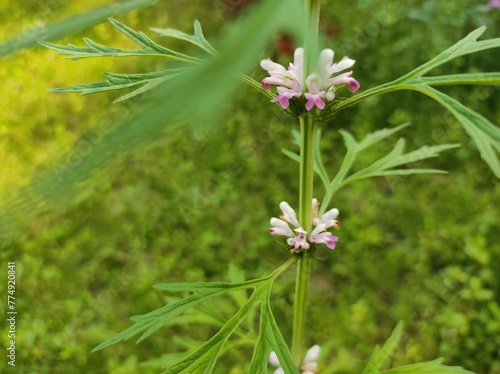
(493, 4)
(309, 365)
(298, 238)
(317, 88)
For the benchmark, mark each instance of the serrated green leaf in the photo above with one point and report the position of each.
(349, 140)
(258, 363)
(203, 360)
(120, 81)
(485, 135)
(430, 367)
(152, 321)
(93, 49)
(197, 39)
(483, 132)
(71, 24)
(467, 45)
(397, 158)
(277, 342)
(270, 338)
(380, 355)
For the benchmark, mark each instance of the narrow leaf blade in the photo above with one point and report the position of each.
(197, 39)
(381, 354)
(203, 360)
(483, 132)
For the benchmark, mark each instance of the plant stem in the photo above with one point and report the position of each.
(307, 136)
(307, 123)
(312, 9)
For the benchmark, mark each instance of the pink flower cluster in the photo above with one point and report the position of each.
(317, 88)
(298, 238)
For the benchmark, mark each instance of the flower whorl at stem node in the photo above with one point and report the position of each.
(298, 239)
(317, 87)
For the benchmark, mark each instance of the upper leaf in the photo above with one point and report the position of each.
(152, 321)
(467, 45)
(396, 158)
(203, 360)
(380, 355)
(270, 338)
(93, 49)
(197, 39)
(484, 133)
(121, 81)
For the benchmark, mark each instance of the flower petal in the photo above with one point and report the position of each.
(271, 66)
(331, 214)
(280, 227)
(326, 238)
(289, 214)
(315, 208)
(343, 64)
(314, 100)
(273, 359)
(353, 85)
(325, 61)
(312, 354)
(283, 100)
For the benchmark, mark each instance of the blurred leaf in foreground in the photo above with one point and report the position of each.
(69, 25)
(194, 97)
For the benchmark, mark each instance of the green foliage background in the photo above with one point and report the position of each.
(423, 249)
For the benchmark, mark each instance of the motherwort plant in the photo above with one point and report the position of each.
(312, 89)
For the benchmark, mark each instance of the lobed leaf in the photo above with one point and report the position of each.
(152, 321)
(483, 132)
(93, 49)
(120, 81)
(270, 338)
(197, 39)
(203, 360)
(382, 167)
(465, 46)
(380, 355)
(397, 158)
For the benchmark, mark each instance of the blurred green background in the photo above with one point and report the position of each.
(423, 249)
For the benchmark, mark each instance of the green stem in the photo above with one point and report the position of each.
(307, 131)
(312, 9)
(307, 136)
(301, 291)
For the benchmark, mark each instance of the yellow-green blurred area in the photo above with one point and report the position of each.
(422, 249)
